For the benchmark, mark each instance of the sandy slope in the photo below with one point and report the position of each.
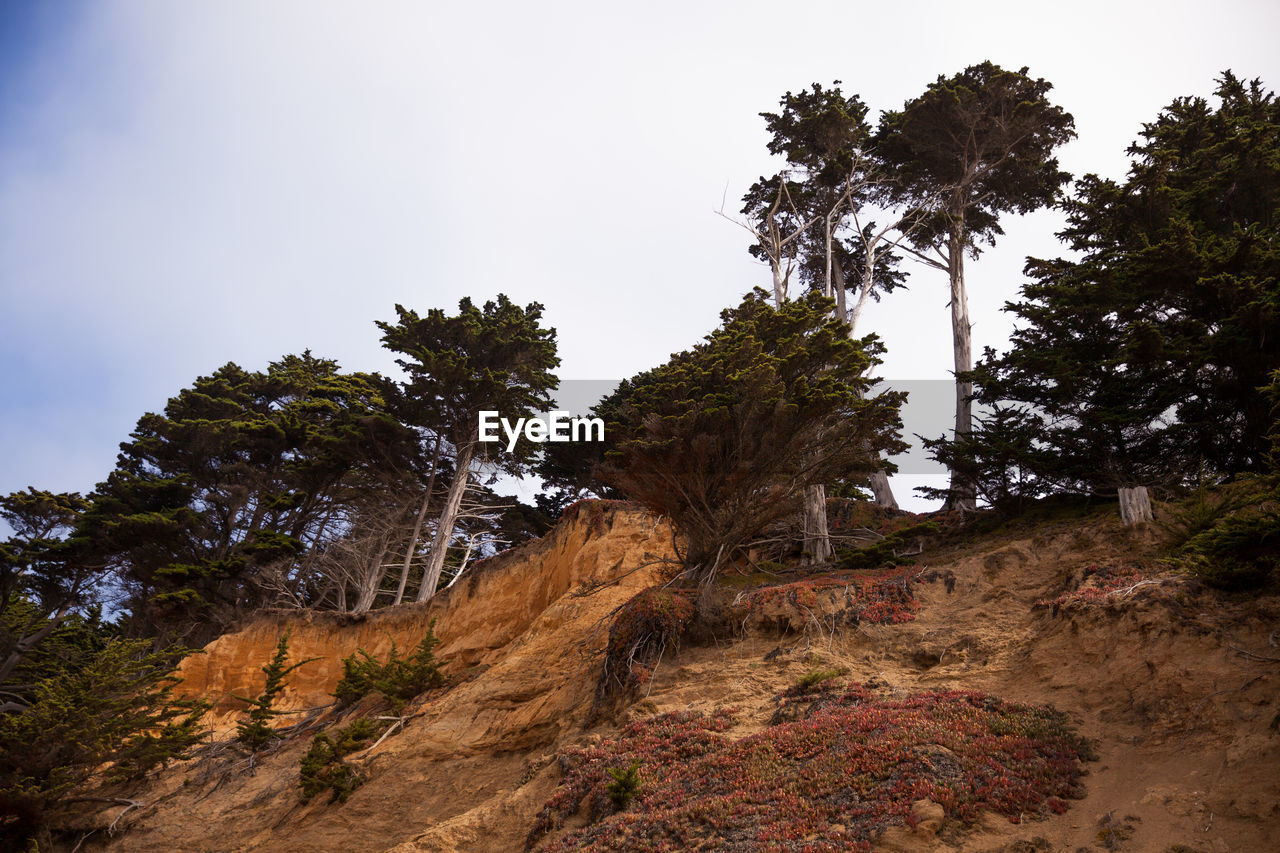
(1178, 689)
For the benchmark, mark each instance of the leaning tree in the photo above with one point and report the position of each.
(725, 438)
(497, 358)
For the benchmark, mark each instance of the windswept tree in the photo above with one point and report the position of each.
(492, 358)
(43, 581)
(244, 472)
(981, 143)
(840, 186)
(724, 438)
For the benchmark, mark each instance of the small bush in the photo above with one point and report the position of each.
(323, 768)
(893, 549)
(398, 679)
(814, 677)
(1237, 553)
(625, 785)
(255, 732)
(643, 629)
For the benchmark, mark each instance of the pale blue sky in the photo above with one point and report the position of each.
(186, 184)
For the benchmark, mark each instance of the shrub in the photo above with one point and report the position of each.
(888, 551)
(643, 629)
(102, 702)
(323, 768)
(254, 732)
(625, 785)
(1237, 553)
(398, 680)
(815, 677)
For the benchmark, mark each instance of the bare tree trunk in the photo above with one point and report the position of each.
(417, 525)
(448, 517)
(962, 493)
(1135, 505)
(371, 580)
(817, 540)
(881, 491)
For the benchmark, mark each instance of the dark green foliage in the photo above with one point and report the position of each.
(890, 550)
(44, 577)
(323, 767)
(496, 357)
(625, 784)
(832, 172)
(242, 476)
(397, 680)
(983, 140)
(1240, 552)
(723, 438)
(90, 699)
(255, 732)
(1143, 361)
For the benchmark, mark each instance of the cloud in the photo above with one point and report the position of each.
(184, 184)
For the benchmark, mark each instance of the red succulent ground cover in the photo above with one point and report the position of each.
(849, 767)
(1098, 584)
(878, 597)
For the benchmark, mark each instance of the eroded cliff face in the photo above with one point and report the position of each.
(518, 629)
(516, 595)
(1177, 688)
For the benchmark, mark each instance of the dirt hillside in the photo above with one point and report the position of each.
(1176, 687)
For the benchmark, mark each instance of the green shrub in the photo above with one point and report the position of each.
(625, 785)
(814, 677)
(890, 550)
(255, 732)
(1237, 553)
(323, 768)
(398, 679)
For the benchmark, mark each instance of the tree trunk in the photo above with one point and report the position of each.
(448, 517)
(417, 525)
(1135, 505)
(371, 582)
(881, 491)
(962, 492)
(817, 540)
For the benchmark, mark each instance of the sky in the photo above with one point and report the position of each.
(188, 184)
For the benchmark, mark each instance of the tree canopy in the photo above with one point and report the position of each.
(724, 438)
(1142, 361)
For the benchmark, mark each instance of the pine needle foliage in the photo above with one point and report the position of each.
(255, 732)
(323, 768)
(724, 438)
(397, 680)
(108, 706)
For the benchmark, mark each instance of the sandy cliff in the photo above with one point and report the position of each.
(1177, 688)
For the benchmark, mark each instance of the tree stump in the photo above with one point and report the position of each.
(1135, 505)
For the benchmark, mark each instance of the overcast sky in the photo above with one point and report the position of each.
(184, 184)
